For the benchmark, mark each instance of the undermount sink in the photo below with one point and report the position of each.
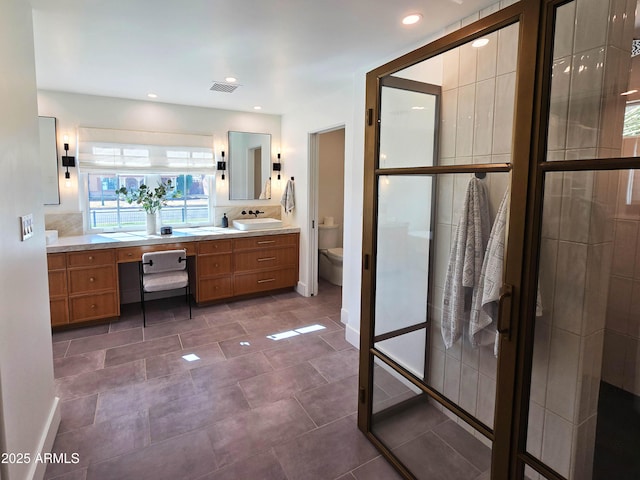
(257, 223)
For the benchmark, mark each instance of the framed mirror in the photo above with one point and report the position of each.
(49, 161)
(249, 166)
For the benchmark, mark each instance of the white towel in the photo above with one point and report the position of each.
(484, 310)
(288, 200)
(465, 262)
(266, 190)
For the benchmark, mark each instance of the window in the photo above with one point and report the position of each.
(112, 159)
(109, 210)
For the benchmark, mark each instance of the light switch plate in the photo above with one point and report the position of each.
(26, 224)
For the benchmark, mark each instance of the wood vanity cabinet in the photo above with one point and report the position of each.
(265, 263)
(214, 270)
(93, 285)
(58, 298)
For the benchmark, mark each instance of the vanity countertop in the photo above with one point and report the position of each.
(97, 241)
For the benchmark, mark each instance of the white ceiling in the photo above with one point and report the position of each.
(279, 50)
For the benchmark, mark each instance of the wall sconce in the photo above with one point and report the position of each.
(277, 166)
(67, 161)
(222, 166)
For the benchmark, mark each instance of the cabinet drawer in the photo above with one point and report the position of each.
(214, 288)
(263, 281)
(134, 254)
(57, 283)
(91, 307)
(91, 258)
(59, 308)
(210, 265)
(56, 261)
(265, 258)
(86, 280)
(265, 241)
(215, 246)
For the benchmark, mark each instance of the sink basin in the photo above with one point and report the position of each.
(257, 223)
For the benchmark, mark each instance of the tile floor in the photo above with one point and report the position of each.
(249, 408)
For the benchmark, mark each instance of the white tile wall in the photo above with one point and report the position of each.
(564, 356)
(586, 91)
(483, 117)
(557, 442)
(570, 286)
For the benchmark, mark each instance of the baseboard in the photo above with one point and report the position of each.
(344, 316)
(302, 289)
(352, 336)
(46, 441)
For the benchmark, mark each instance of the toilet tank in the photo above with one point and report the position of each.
(328, 236)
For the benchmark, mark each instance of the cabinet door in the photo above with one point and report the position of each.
(59, 309)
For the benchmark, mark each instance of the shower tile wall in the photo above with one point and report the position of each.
(478, 91)
(591, 65)
(622, 333)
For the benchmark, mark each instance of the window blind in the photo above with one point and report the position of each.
(101, 149)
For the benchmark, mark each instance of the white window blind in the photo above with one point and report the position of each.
(101, 149)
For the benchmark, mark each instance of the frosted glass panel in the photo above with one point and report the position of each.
(404, 239)
(408, 122)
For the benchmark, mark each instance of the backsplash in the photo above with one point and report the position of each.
(235, 212)
(67, 224)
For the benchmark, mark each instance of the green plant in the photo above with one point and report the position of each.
(151, 199)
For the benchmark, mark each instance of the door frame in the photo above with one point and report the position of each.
(314, 200)
(520, 249)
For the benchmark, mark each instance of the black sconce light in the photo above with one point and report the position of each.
(222, 166)
(67, 161)
(277, 166)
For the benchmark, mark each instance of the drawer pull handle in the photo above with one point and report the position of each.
(93, 306)
(90, 257)
(267, 280)
(91, 279)
(266, 259)
(266, 241)
(129, 254)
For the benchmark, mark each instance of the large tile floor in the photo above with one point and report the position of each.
(249, 408)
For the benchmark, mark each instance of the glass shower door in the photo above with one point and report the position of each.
(443, 159)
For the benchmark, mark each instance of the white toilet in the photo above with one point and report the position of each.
(330, 258)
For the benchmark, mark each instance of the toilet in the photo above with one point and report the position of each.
(330, 255)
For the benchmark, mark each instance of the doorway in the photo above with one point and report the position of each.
(327, 164)
(513, 354)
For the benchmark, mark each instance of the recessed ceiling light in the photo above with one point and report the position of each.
(152, 95)
(481, 42)
(411, 19)
(257, 107)
(231, 79)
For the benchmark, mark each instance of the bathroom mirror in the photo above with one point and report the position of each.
(49, 161)
(249, 166)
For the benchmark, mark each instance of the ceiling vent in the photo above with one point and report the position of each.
(223, 87)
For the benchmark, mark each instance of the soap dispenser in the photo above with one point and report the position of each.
(225, 220)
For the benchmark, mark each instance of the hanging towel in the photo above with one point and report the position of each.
(465, 262)
(288, 200)
(484, 311)
(266, 190)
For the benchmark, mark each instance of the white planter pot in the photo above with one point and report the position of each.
(151, 224)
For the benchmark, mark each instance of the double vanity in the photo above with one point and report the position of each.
(224, 263)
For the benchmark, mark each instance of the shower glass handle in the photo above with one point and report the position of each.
(504, 309)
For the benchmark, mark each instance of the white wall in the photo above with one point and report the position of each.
(75, 110)
(28, 408)
(344, 107)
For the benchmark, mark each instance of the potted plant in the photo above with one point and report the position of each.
(151, 199)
